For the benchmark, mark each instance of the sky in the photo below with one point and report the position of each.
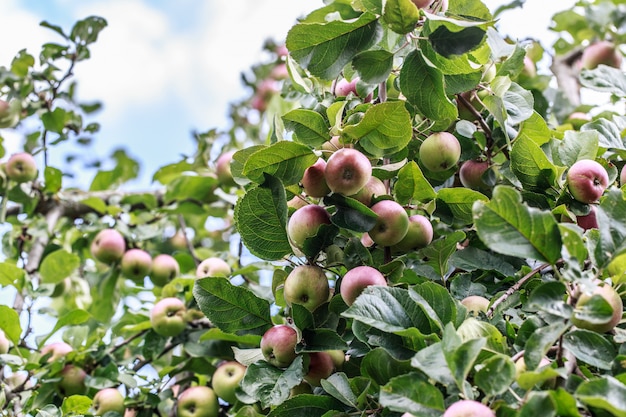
(163, 69)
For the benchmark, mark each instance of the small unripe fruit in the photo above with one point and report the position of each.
(168, 317)
(612, 297)
(419, 235)
(440, 151)
(475, 304)
(164, 269)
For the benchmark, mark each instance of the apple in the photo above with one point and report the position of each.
(297, 201)
(263, 94)
(21, 167)
(419, 235)
(577, 119)
(357, 279)
(622, 176)
(343, 88)
(222, 169)
(108, 399)
(375, 187)
(9, 113)
(226, 379)
(612, 297)
(422, 4)
(392, 224)
(164, 269)
(279, 72)
(72, 381)
(5, 343)
(603, 52)
(213, 267)
(321, 366)
(136, 264)
(313, 181)
(468, 408)
(278, 345)
(520, 365)
(197, 401)
(588, 221)
(108, 246)
(306, 285)
(475, 304)
(332, 144)
(347, 171)
(440, 151)
(56, 350)
(471, 172)
(305, 223)
(168, 317)
(587, 180)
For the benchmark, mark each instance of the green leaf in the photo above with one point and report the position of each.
(218, 334)
(21, 64)
(10, 274)
(590, 347)
(380, 366)
(605, 393)
(325, 48)
(76, 405)
(10, 324)
(575, 146)
(54, 121)
(457, 204)
(432, 362)
(57, 266)
(270, 385)
(71, 318)
(436, 303)
(318, 340)
(460, 359)
(604, 78)
(167, 173)
(439, 251)
(310, 127)
(610, 133)
(53, 179)
(231, 308)
(412, 185)
(531, 166)
(536, 129)
(284, 160)
(306, 405)
(508, 226)
(373, 67)
(549, 297)
(86, 31)
(541, 341)
(411, 393)
(193, 188)
(538, 404)
(400, 15)
(475, 259)
(496, 375)
(350, 213)
(338, 386)
(447, 42)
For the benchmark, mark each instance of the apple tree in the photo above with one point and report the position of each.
(410, 215)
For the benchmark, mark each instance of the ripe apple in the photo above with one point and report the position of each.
(471, 172)
(164, 269)
(21, 167)
(72, 381)
(314, 181)
(392, 224)
(321, 366)
(357, 279)
(108, 246)
(603, 52)
(168, 317)
(306, 285)
(587, 180)
(136, 264)
(213, 267)
(347, 171)
(422, 4)
(468, 408)
(278, 345)
(222, 169)
(5, 343)
(198, 401)
(588, 221)
(226, 379)
(612, 297)
(375, 187)
(108, 399)
(440, 151)
(419, 235)
(56, 350)
(305, 223)
(475, 304)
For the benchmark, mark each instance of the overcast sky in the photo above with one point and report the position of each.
(165, 68)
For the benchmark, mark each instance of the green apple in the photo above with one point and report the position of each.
(56, 350)
(108, 246)
(72, 381)
(21, 167)
(468, 408)
(305, 223)
(213, 267)
(321, 366)
(419, 235)
(440, 151)
(392, 224)
(136, 264)
(226, 378)
(375, 187)
(611, 296)
(168, 317)
(164, 269)
(306, 285)
(347, 171)
(314, 180)
(108, 399)
(357, 279)
(475, 304)
(587, 180)
(5, 343)
(197, 401)
(278, 345)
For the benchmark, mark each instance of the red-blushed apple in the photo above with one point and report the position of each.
(338, 356)
(222, 169)
(263, 94)
(179, 240)
(611, 296)
(468, 408)
(314, 181)
(213, 267)
(136, 264)
(343, 88)
(306, 285)
(72, 381)
(305, 223)
(108, 399)
(440, 151)
(21, 167)
(279, 72)
(281, 51)
(419, 235)
(347, 171)
(5, 343)
(297, 201)
(622, 176)
(56, 350)
(278, 345)
(375, 187)
(357, 279)
(587, 180)
(392, 223)
(197, 401)
(321, 366)
(164, 269)
(167, 317)
(226, 378)
(108, 246)
(471, 172)
(603, 52)
(588, 221)
(475, 304)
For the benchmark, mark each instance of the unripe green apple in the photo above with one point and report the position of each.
(21, 167)
(357, 279)
(222, 169)
(305, 223)
(419, 235)
(108, 246)
(136, 264)
(197, 401)
(314, 181)
(440, 151)
(587, 180)
(168, 317)
(475, 304)
(5, 343)
(108, 399)
(306, 285)
(72, 381)
(611, 296)
(278, 345)
(164, 269)
(392, 223)
(468, 408)
(375, 187)
(226, 378)
(56, 350)
(603, 52)
(471, 172)
(321, 366)
(347, 171)
(213, 267)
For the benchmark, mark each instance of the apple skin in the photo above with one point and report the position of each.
(422, 4)
(612, 297)
(213, 267)
(72, 381)
(588, 221)
(603, 52)
(5, 343)
(440, 151)
(470, 174)
(168, 317)
(278, 345)
(321, 366)
(226, 379)
(314, 181)
(108, 399)
(332, 144)
(21, 167)
(375, 187)
(57, 350)
(475, 304)
(468, 408)
(136, 264)
(108, 246)
(222, 169)
(587, 180)
(392, 224)
(306, 285)
(357, 279)
(305, 223)
(343, 88)
(622, 176)
(347, 171)
(164, 269)
(419, 235)
(297, 201)
(197, 401)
